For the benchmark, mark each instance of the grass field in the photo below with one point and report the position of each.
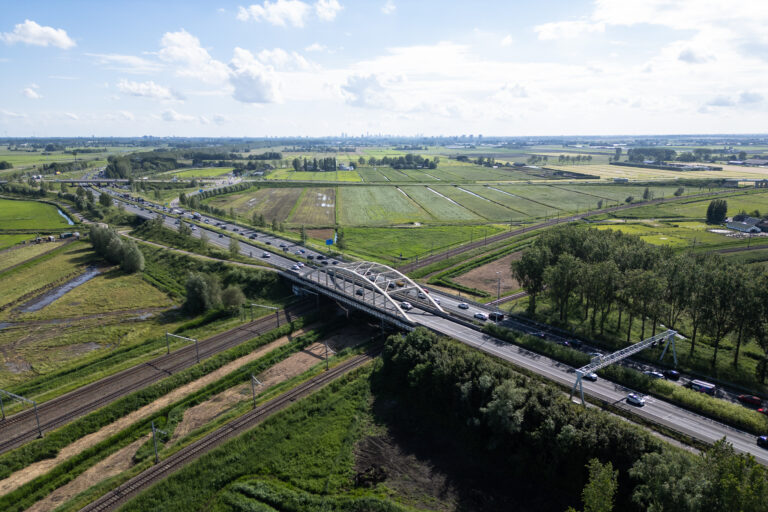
(481, 206)
(286, 174)
(607, 171)
(7, 241)
(24, 252)
(23, 280)
(386, 243)
(697, 208)
(273, 203)
(361, 206)
(678, 236)
(209, 172)
(439, 207)
(113, 291)
(29, 215)
(316, 207)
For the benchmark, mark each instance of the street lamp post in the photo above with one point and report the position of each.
(498, 288)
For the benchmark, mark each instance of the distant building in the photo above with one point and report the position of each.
(756, 161)
(736, 162)
(731, 183)
(621, 180)
(345, 167)
(744, 224)
(761, 183)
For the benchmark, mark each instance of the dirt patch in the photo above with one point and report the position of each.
(320, 234)
(39, 468)
(18, 366)
(379, 459)
(485, 277)
(288, 368)
(107, 468)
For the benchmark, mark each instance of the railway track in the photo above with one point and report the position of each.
(238, 426)
(22, 427)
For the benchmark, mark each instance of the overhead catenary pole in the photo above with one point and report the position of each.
(197, 347)
(254, 382)
(154, 439)
(22, 399)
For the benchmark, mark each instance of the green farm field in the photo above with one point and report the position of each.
(384, 244)
(23, 253)
(7, 241)
(438, 206)
(365, 206)
(29, 215)
(273, 203)
(333, 176)
(315, 207)
(697, 208)
(209, 172)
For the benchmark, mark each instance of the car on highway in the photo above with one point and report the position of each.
(463, 305)
(634, 399)
(221, 236)
(359, 291)
(654, 375)
(481, 316)
(422, 295)
(268, 242)
(310, 257)
(437, 301)
(762, 441)
(253, 236)
(297, 253)
(295, 267)
(750, 400)
(591, 376)
(236, 230)
(496, 316)
(302, 251)
(672, 374)
(334, 262)
(300, 264)
(763, 410)
(406, 305)
(265, 255)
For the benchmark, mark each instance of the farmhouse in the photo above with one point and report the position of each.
(744, 224)
(756, 161)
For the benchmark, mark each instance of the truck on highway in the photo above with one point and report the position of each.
(703, 387)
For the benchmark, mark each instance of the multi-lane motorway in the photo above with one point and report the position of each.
(655, 410)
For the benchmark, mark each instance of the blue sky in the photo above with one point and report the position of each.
(326, 67)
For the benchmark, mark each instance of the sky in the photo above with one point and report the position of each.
(333, 67)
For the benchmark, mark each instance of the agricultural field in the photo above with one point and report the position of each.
(677, 235)
(315, 207)
(607, 171)
(273, 203)
(333, 176)
(22, 253)
(366, 206)
(30, 215)
(479, 205)
(696, 208)
(407, 242)
(209, 172)
(7, 241)
(438, 206)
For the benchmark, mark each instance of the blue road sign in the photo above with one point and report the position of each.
(329, 242)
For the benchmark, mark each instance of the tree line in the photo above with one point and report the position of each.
(409, 161)
(324, 164)
(592, 273)
(527, 439)
(108, 244)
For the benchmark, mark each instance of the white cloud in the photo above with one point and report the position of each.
(253, 81)
(31, 92)
(692, 57)
(32, 33)
(746, 97)
(507, 41)
(327, 10)
(220, 119)
(366, 91)
(126, 63)
(389, 7)
(183, 49)
(7, 114)
(315, 47)
(567, 29)
(71, 116)
(283, 60)
(280, 12)
(172, 116)
(147, 89)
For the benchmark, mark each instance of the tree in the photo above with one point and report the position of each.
(275, 225)
(234, 247)
(599, 204)
(717, 211)
(529, 272)
(114, 251)
(629, 199)
(722, 288)
(303, 234)
(646, 194)
(680, 191)
(232, 297)
(601, 488)
(133, 259)
(105, 200)
(80, 192)
(561, 280)
(203, 292)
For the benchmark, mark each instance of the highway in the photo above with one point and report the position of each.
(655, 410)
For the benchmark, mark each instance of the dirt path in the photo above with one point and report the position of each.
(199, 256)
(32, 471)
(288, 368)
(107, 468)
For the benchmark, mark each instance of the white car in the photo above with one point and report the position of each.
(634, 399)
(422, 295)
(481, 316)
(265, 255)
(406, 305)
(295, 267)
(463, 305)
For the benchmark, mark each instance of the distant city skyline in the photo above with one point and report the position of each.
(327, 67)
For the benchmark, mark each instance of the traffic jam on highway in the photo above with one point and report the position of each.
(287, 255)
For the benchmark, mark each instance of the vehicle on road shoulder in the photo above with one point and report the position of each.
(762, 441)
